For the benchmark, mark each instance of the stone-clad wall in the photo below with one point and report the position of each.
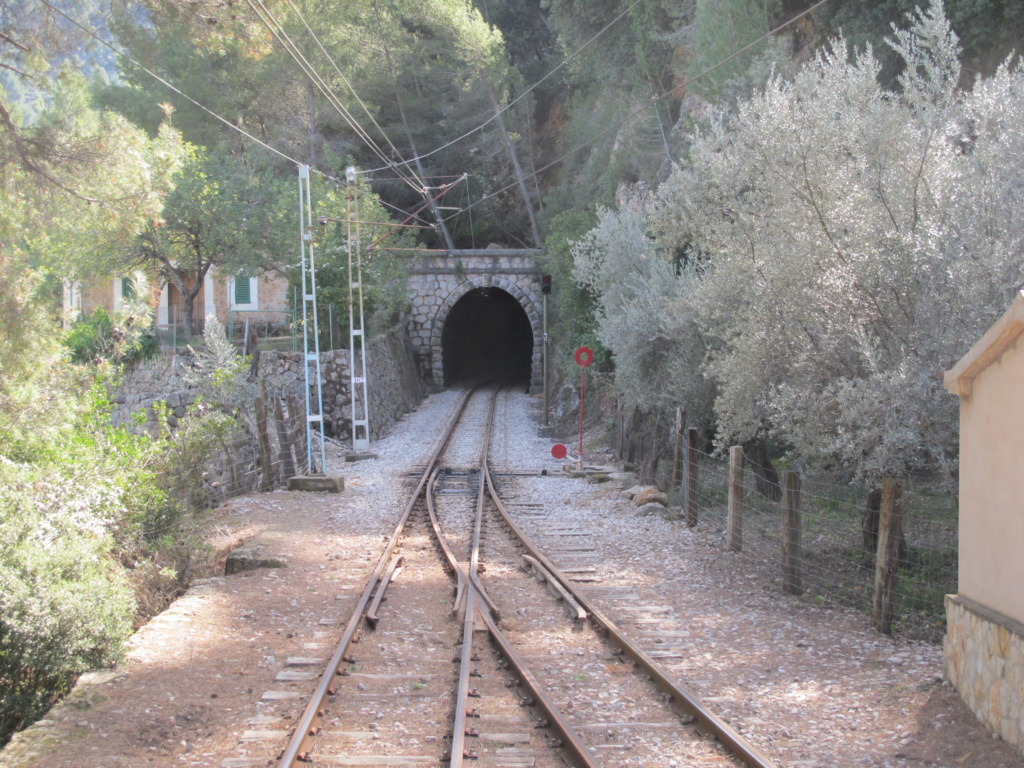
(984, 654)
(393, 385)
(158, 379)
(438, 282)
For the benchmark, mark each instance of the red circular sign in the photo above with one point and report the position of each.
(584, 356)
(559, 451)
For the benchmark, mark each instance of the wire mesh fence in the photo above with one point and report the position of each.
(837, 540)
(269, 329)
(279, 329)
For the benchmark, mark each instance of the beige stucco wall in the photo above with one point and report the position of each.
(992, 486)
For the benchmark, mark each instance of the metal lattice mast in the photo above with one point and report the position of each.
(311, 359)
(357, 336)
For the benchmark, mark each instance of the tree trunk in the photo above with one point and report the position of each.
(187, 300)
(765, 475)
(520, 177)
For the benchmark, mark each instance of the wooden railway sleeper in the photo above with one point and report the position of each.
(574, 609)
(394, 567)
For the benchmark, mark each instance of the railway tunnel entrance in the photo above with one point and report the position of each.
(487, 336)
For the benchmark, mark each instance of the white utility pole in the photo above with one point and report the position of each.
(357, 335)
(311, 366)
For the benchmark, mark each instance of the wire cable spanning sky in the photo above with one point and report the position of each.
(409, 176)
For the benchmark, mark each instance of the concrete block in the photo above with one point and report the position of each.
(316, 483)
(357, 456)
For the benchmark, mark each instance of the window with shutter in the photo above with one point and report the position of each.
(243, 292)
(127, 289)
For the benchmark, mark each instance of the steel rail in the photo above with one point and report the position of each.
(466, 657)
(453, 562)
(580, 755)
(682, 699)
(481, 495)
(302, 737)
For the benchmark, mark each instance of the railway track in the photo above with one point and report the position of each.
(469, 645)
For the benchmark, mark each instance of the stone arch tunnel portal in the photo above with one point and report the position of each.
(487, 336)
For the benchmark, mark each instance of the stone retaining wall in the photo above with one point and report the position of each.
(145, 383)
(984, 653)
(394, 388)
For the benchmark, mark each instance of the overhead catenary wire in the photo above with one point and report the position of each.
(344, 79)
(392, 166)
(279, 32)
(177, 90)
(523, 95)
(163, 81)
(659, 97)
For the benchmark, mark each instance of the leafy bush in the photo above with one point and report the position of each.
(853, 241)
(65, 607)
(125, 336)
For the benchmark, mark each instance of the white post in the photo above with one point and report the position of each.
(357, 335)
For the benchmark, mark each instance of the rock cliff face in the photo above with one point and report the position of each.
(393, 386)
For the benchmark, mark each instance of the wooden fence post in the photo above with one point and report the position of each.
(284, 442)
(734, 521)
(692, 439)
(887, 560)
(677, 448)
(263, 439)
(792, 553)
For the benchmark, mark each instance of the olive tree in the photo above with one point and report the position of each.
(859, 241)
(854, 242)
(644, 302)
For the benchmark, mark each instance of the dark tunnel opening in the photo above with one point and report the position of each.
(487, 337)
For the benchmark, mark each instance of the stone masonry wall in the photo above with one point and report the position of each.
(438, 282)
(393, 386)
(152, 380)
(984, 653)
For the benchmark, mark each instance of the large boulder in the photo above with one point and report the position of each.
(650, 496)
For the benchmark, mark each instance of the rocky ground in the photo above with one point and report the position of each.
(811, 687)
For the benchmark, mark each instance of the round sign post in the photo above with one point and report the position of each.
(584, 357)
(559, 451)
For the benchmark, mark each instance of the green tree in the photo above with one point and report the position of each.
(221, 214)
(720, 28)
(77, 181)
(384, 270)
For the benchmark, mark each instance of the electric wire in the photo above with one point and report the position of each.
(344, 79)
(279, 32)
(164, 82)
(659, 97)
(523, 95)
(392, 166)
(225, 121)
